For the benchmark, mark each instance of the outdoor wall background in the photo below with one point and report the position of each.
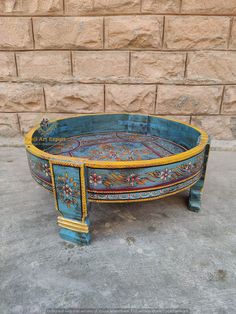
(168, 57)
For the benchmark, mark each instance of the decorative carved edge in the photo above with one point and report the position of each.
(72, 224)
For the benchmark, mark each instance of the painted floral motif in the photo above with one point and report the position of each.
(68, 190)
(118, 152)
(146, 194)
(113, 155)
(189, 166)
(95, 179)
(116, 146)
(40, 167)
(46, 170)
(147, 177)
(133, 179)
(165, 174)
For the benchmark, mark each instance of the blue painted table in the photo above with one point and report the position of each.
(114, 158)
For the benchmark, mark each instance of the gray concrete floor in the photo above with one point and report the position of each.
(155, 254)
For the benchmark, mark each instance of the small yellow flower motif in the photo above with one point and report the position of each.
(71, 180)
(74, 183)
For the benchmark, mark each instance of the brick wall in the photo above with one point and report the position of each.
(169, 57)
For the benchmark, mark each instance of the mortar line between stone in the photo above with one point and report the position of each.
(230, 32)
(19, 124)
(63, 6)
(185, 65)
(44, 98)
(103, 32)
(141, 6)
(77, 81)
(180, 6)
(121, 50)
(71, 64)
(129, 63)
(32, 29)
(155, 101)
(119, 14)
(104, 91)
(159, 114)
(163, 31)
(222, 99)
(17, 73)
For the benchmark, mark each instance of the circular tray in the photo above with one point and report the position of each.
(114, 158)
(126, 157)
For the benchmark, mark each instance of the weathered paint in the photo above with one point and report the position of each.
(115, 158)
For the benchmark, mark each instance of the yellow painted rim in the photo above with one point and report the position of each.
(119, 164)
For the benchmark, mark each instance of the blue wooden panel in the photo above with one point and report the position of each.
(142, 195)
(40, 170)
(68, 191)
(108, 180)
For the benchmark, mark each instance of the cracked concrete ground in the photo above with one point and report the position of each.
(155, 254)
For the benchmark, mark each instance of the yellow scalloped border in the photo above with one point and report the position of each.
(120, 164)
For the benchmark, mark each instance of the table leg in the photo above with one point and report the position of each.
(71, 201)
(195, 194)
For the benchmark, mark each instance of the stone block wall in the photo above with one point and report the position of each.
(168, 57)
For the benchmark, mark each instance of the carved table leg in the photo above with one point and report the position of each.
(196, 191)
(71, 201)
